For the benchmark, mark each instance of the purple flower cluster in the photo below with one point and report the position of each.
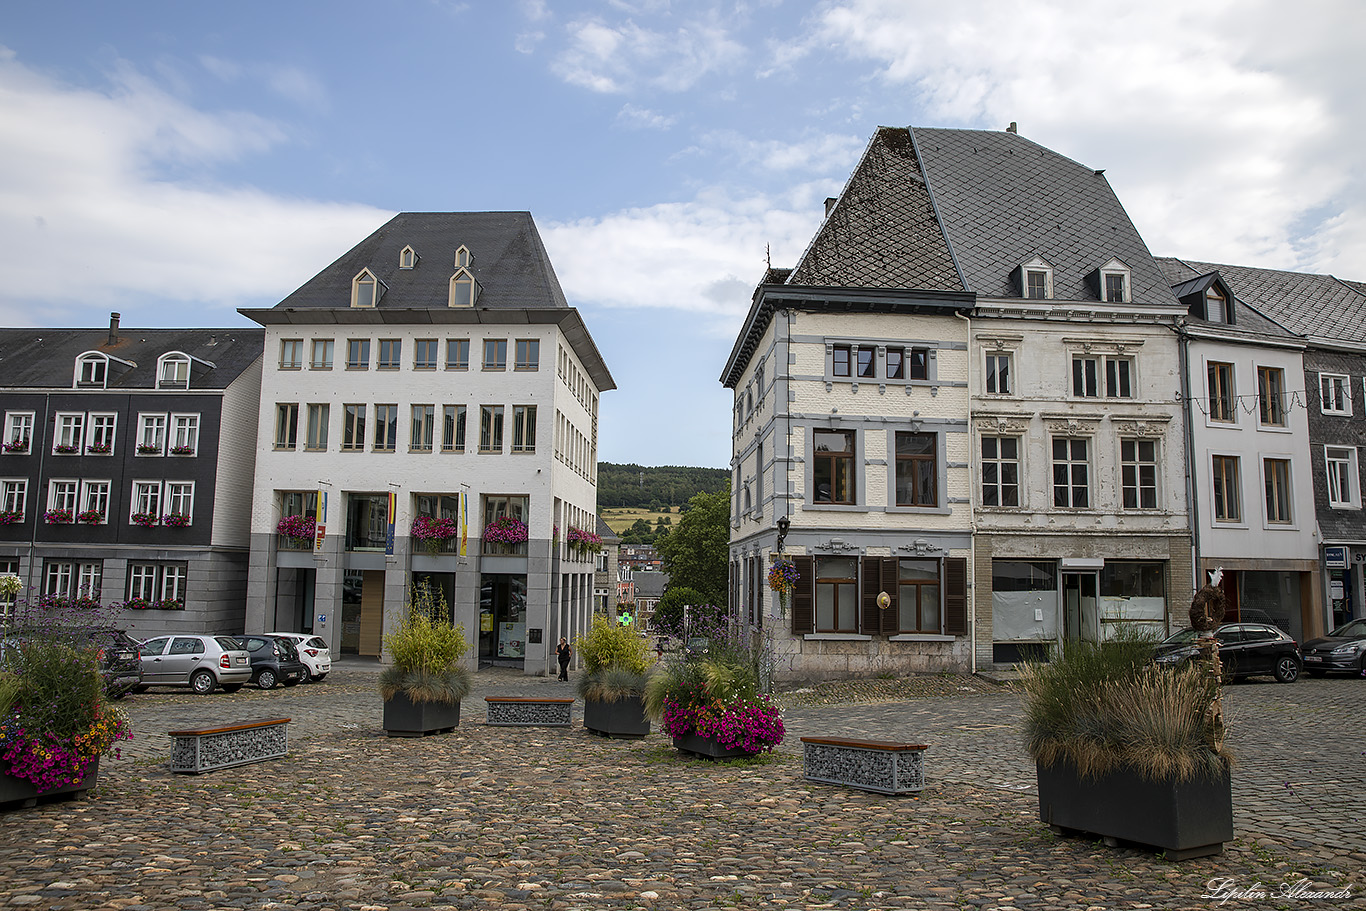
(17, 445)
(297, 527)
(11, 517)
(58, 517)
(429, 528)
(782, 577)
(505, 530)
(175, 520)
(145, 519)
(752, 725)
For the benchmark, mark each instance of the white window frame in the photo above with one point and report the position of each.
(95, 495)
(91, 359)
(19, 428)
(183, 427)
(14, 495)
(1117, 269)
(101, 428)
(142, 581)
(988, 373)
(179, 494)
(177, 359)
(68, 429)
(64, 493)
(1070, 462)
(1036, 265)
(173, 581)
(145, 493)
(152, 433)
(1342, 381)
(1136, 465)
(1345, 458)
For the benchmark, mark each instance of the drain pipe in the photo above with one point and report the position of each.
(1192, 493)
(972, 508)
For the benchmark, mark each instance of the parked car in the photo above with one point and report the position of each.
(1344, 649)
(273, 660)
(1245, 650)
(202, 663)
(313, 652)
(115, 651)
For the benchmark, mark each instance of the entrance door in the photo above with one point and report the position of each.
(1080, 607)
(502, 618)
(372, 613)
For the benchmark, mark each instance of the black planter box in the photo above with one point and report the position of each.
(708, 748)
(623, 718)
(405, 718)
(20, 792)
(1184, 819)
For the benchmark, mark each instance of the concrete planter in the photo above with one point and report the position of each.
(20, 792)
(405, 718)
(708, 748)
(623, 718)
(1183, 819)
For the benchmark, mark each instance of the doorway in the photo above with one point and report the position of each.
(1080, 607)
(502, 619)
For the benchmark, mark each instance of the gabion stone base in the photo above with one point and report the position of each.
(510, 711)
(870, 765)
(204, 750)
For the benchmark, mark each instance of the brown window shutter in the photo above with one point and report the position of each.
(871, 585)
(804, 596)
(956, 596)
(891, 584)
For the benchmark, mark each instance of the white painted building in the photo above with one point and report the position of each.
(433, 373)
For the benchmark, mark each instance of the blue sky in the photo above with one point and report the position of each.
(175, 161)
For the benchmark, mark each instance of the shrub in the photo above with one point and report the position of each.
(426, 650)
(615, 660)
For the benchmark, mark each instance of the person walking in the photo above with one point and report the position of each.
(564, 654)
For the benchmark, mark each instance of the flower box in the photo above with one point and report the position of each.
(300, 528)
(90, 517)
(16, 447)
(11, 517)
(58, 517)
(506, 530)
(182, 450)
(175, 520)
(624, 717)
(66, 449)
(708, 748)
(434, 533)
(99, 448)
(21, 791)
(148, 449)
(145, 519)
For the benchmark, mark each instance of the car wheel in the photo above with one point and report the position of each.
(232, 687)
(307, 677)
(202, 682)
(1287, 669)
(267, 680)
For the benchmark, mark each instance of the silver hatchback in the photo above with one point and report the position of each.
(200, 662)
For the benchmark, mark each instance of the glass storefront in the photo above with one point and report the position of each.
(502, 618)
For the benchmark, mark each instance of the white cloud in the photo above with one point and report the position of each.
(289, 82)
(824, 153)
(88, 218)
(1230, 131)
(617, 58)
(643, 118)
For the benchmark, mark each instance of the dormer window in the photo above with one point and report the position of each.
(1035, 279)
(464, 288)
(173, 372)
(366, 289)
(91, 370)
(1216, 306)
(1114, 283)
(463, 257)
(407, 258)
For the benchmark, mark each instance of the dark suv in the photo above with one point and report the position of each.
(120, 665)
(273, 661)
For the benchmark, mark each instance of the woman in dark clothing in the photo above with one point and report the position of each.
(564, 654)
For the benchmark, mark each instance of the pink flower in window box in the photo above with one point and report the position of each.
(90, 516)
(58, 517)
(175, 520)
(145, 519)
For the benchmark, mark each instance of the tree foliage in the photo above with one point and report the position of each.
(655, 488)
(694, 551)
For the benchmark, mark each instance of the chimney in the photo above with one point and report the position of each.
(1013, 128)
(113, 328)
(829, 205)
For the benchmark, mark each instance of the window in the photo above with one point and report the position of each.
(151, 434)
(495, 354)
(453, 428)
(358, 354)
(491, 428)
(916, 469)
(61, 497)
(867, 363)
(840, 362)
(386, 428)
(91, 370)
(1216, 306)
(286, 426)
(407, 258)
(318, 416)
(463, 257)
(321, 358)
(390, 353)
(8, 568)
(424, 354)
(1277, 491)
(464, 289)
(424, 428)
(1221, 395)
(184, 434)
(101, 434)
(174, 372)
(72, 580)
(836, 595)
(1132, 579)
(1138, 473)
(1036, 284)
(920, 363)
(291, 353)
(896, 363)
(14, 497)
(158, 582)
(18, 431)
(353, 427)
(833, 468)
(367, 521)
(95, 499)
(759, 476)
(998, 374)
(1271, 395)
(1116, 288)
(147, 498)
(70, 434)
(918, 596)
(1337, 393)
(142, 581)
(1118, 373)
(528, 354)
(1342, 473)
(1228, 498)
(1000, 471)
(180, 499)
(1071, 473)
(523, 428)
(366, 290)
(457, 354)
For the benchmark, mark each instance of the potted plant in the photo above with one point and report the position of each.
(58, 517)
(99, 448)
(708, 700)
(176, 520)
(583, 543)
(505, 530)
(55, 722)
(90, 517)
(1128, 750)
(11, 517)
(66, 448)
(149, 449)
(182, 450)
(425, 682)
(17, 446)
(615, 661)
(433, 531)
(145, 519)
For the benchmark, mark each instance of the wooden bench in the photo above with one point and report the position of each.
(871, 765)
(208, 749)
(509, 711)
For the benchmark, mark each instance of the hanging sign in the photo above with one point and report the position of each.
(320, 522)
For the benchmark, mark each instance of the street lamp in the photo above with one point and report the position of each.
(783, 523)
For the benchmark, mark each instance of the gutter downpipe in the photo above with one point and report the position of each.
(1192, 495)
(972, 507)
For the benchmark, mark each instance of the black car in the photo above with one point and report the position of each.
(1344, 650)
(117, 653)
(273, 661)
(1245, 650)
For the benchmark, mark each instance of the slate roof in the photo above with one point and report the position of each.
(1246, 320)
(882, 232)
(509, 261)
(1308, 304)
(650, 584)
(1004, 200)
(46, 358)
(605, 532)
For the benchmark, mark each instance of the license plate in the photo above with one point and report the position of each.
(241, 661)
(1312, 658)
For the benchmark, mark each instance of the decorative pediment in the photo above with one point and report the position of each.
(1072, 425)
(1003, 425)
(1154, 426)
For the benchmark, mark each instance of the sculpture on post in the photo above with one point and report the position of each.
(1206, 613)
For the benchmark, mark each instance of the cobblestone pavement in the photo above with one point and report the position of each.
(560, 819)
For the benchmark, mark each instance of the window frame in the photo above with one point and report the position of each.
(101, 429)
(495, 354)
(1274, 398)
(64, 494)
(523, 428)
(92, 360)
(428, 362)
(1345, 387)
(291, 354)
(19, 428)
(1000, 461)
(358, 354)
(316, 426)
(94, 495)
(834, 458)
(422, 430)
(386, 419)
(462, 347)
(1226, 395)
(912, 461)
(366, 290)
(1071, 463)
(1279, 492)
(838, 583)
(179, 359)
(146, 493)
(491, 429)
(1131, 475)
(14, 496)
(920, 628)
(149, 436)
(1226, 491)
(992, 374)
(327, 347)
(390, 354)
(283, 411)
(176, 421)
(453, 420)
(182, 492)
(68, 431)
(527, 354)
(354, 416)
(1346, 458)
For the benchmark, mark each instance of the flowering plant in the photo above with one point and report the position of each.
(66, 448)
(782, 578)
(99, 448)
(145, 519)
(148, 449)
(505, 530)
(753, 725)
(583, 542)
(58, 517)
(17, 445)
(11, 517)
(429, 528)
(90, 516)
(175, 519)
(10, 585)
(82, 601)
(182, 450)
(297, 527)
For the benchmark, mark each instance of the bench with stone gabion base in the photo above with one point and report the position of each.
(207, 749)
(871, 765)
(522, 711)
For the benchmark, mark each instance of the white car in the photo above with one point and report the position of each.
(313, 652)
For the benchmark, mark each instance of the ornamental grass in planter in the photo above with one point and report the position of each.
(615, 662)
(425, 682)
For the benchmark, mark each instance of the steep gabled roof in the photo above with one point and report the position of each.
(1004, 200)
(46, 358)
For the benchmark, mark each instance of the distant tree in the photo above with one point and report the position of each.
(694, 551)
(640, 532)
(668, 616)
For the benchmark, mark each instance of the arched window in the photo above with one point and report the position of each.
(92, 370)
(173, 371)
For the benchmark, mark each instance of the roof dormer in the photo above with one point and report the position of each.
(1112, 283)
(366, 289)
(173, 370)
(1034, 279)
(1208, 298)
(92, 370)
(407, 258)
(464, 288)
(463, 257)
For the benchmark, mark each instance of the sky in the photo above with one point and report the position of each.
(176, 161)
